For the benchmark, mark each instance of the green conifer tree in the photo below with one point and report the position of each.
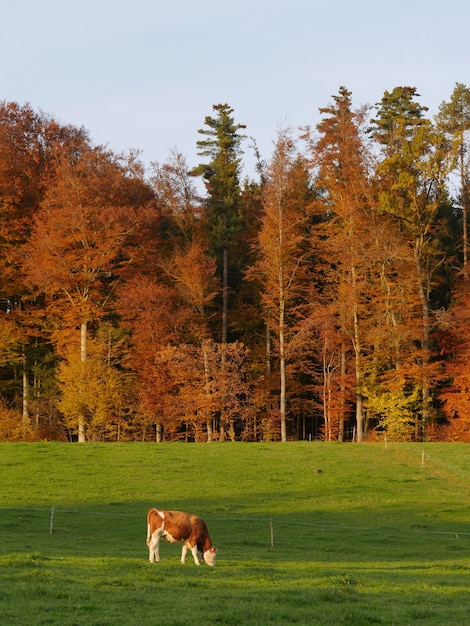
(222, 179)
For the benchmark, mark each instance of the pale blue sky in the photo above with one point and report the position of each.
(144, 73)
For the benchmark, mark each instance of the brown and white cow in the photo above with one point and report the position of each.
(175, 526)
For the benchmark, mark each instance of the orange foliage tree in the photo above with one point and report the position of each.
(455, 341)
(281, 255)
(77, 251)
(340, 162)
(28, 144)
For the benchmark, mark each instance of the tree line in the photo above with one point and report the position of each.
(326, 297)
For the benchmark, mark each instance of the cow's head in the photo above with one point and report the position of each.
(209, 556)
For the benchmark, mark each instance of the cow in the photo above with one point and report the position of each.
(175, 526)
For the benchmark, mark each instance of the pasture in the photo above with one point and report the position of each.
(378, 536)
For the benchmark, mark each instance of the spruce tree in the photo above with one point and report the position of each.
(221, 176)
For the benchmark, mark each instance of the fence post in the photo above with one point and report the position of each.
(51, 525)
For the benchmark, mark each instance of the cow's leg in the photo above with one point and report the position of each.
(183, 553)
(154, 548)
(194, 553)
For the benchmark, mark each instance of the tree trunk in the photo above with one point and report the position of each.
(358, 364)
(25, 416)
(422, 292)
(224, 295)
(282, 369)
(36, 386)
(210, 434)
(463, 191)
(359, 417)
(343, 394)
(222, 424)
(326, 393)
(83, 358)
(268, 354)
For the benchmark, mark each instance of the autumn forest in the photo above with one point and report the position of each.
(327, 297)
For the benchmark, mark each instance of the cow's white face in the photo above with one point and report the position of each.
(209, 557)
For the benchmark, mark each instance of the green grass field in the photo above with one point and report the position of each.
(379, 536)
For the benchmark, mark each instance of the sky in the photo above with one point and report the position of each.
(144, 74)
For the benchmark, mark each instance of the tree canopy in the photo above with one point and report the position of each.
(326, 297)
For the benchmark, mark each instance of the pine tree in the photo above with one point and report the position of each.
(222, 179)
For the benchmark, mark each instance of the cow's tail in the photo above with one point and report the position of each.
(148, 525)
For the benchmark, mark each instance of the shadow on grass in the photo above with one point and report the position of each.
(119, 530)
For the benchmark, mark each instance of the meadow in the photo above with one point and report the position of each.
(307, 533)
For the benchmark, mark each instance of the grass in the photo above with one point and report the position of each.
(379, 536)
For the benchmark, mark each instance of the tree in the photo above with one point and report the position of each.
(177, 199)
(221, 176)
(185, 262)
(29, 142)
(229, 390)
(153, 315)
(412, 177)
(98, 389)
(454, 119)
(281, 258)
(454, 344)
(77, 251)
(187, 405)
(399, 116)
(341, 166)
(333, 383)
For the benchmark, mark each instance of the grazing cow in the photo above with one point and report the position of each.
(177, 526)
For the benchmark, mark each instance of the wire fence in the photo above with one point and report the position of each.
(269, 523)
